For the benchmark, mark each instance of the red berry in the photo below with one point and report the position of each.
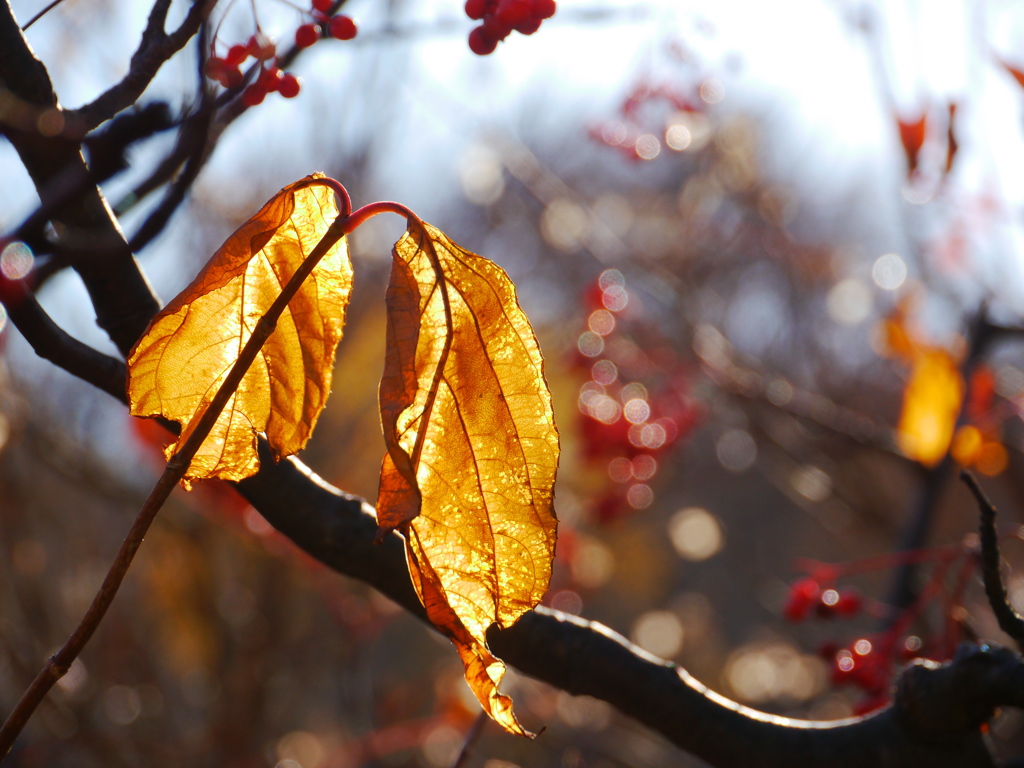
(342, 28)
(802, 595)
(322, 5)
(289, 86)
(214, 68)
(480, 43)
(236, 55)
(269, 79)
(513, 12)
(494, 29)
(850, 602)
(232, 77)
(528, 27)
(253, 95)
(261, 48)
(544, 9)
(307, 35)
(476, 9)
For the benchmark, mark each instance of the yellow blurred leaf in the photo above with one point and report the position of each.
(931, 403)
(472, 448)
(177, 366)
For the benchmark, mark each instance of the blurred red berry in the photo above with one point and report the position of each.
(232, 77)
(307, 35)
(850, 602)
(269, 79)
(544, 9)
(802, 595)
(214, 68)
(494, 29)
(253, 95)
(289, 86)
(513, 12)
(476, 9)
(236, 55)
(342, 28)
(869, 677)
(322, 5)
(480, 43)
(261, 48)
(528, 27)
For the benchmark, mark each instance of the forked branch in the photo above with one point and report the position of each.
(1009, 620)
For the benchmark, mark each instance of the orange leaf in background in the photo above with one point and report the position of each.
(931, 403)
(982, 393)
(951, 143)
(899, 341)
(472, 449)
(176, 368)
(1018, 75)
(912, 137)
(974, 448)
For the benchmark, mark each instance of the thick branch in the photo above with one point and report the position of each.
(51, 342)
(587, 658)
(94, 244)
(154, 50)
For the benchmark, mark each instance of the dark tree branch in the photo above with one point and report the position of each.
(95, 246)
(1009, 620)
(52, 343)
(154, 50)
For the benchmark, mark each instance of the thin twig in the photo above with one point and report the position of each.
(1009, 620)
(42, 13)
(58, 664)
(155, 48)
(471, 738)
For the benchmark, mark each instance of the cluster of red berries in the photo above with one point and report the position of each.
(627, 428)
(340, 27)
(502, 17)
(807, 595)
(636, 125)
(227, 70)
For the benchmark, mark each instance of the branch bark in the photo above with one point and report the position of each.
(95, 245)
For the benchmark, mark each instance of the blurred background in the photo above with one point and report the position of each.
(773, 255)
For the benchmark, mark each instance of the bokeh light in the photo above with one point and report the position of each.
(736, 450)
(695, 534)
(889, 271)
(16, 260)
(659, 632)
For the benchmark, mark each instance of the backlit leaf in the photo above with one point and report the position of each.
(188, 349)
(472, 448)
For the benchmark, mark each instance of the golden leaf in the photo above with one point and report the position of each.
(472, 448)
(177, 367)
(931, 404)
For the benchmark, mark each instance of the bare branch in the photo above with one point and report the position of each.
(97, 250)
(53, 343)
(1009, 620)
(155, 48)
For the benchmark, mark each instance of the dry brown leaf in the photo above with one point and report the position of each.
(177, 366)
(472, 448)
